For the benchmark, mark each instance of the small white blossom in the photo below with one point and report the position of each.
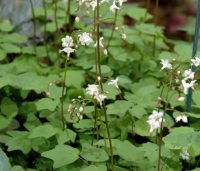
(155, 120)
(196, 61)
(165, 64)
(100, 98)
(182, 118)
(188, 74)
(186, 85)
(185, 155)
(81, 109)
(123, 36)
(114, 7)
(92, 89)
(181, 98)
(68, 50)
(93, 4)
(67, 41)
(114, 83)
(121, 2)
(77, 19)
(100, 42)
(85, 38)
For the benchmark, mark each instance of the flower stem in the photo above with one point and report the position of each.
(101, 84)
(45, 28)
(68, 15)
(62, 96)
(156, 12)
(56, 24)
(113, 29)
(34, 25)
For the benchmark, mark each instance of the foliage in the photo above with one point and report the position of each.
(31, 80)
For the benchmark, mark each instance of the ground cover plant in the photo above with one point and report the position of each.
(103, 89)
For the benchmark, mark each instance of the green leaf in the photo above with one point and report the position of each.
(17, 168)
(19, 141)
(47, 103)
(14, 38)
(138, 111)
(62, 155)
(4, 162)
(183, 50)
(93, 154)
(196, 97)
(2, 55)
(65, 136)
(137, 13)
(119, 107)
(8, 107)
(5, 26)
(128, 151)
(179, 138)
(95, 168)
(75, 78)
(45, 131)
(104, 69)
(4, 122)
(10, 48)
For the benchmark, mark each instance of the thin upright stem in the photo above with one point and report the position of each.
(62, 95)
(34, 25)
(45, 28)
(101, 84)
(156, 12)
(113, 29)
(68, 15)
(56, 24)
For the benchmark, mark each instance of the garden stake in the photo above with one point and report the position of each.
(194, 51)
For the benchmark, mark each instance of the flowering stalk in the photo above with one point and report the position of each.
(68, 14)
(45, 27)
(56, 24)
(113, 29)
(62, 95)
(156, 12)
(34, 26)
(100, 82)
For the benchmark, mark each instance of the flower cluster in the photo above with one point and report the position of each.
(94, 91)
(77, 106)
(185, 155)
(155, 120)
(116, 5)
(68, 42)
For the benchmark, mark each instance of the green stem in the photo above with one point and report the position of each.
(34, 25)
(62, 95)
(156, 12)
(113, 29)
(56, 24)
(101, 84)
(45, 28)
(68, 14)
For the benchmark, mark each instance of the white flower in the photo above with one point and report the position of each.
(85, 38)
(155, 120)
(114, 83)
(67, 41)
(93, 4)
(165, 64)
(185, 155)
(182, 118)
(100, 42)
(196, 61)
(114, 7)
(186, 85)
(181, 98)
(100, 98)
(121, 2)
(123, 36)
(68, 50)
(188, 74)
(81, 109)
(92, 89)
